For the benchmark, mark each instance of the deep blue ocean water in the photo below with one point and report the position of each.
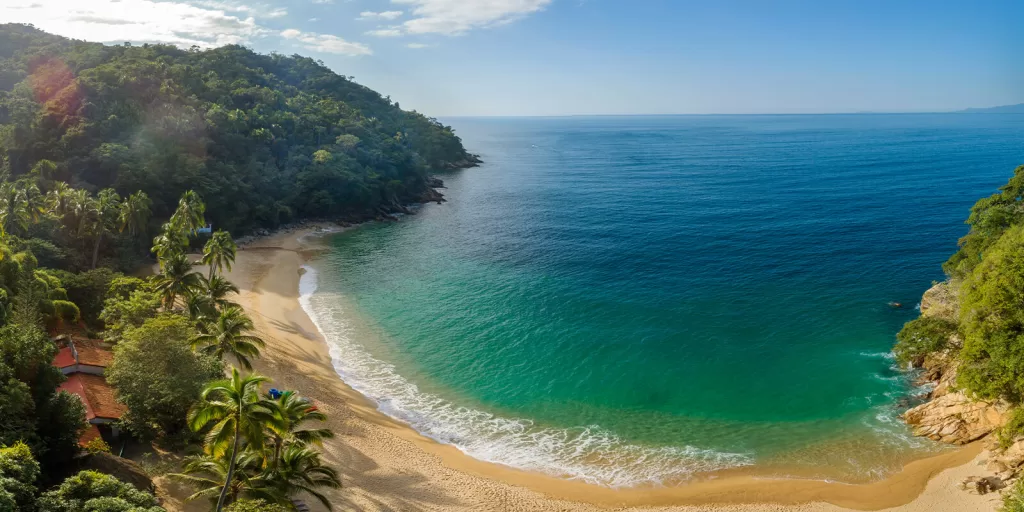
(634, 300)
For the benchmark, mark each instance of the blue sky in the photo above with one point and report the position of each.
(560, 57)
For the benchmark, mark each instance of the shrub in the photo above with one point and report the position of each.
(256, 506)
(91, 491)
(922, 336)
(992, 321)
(1013, 498)
(18, 474)
(97, 445)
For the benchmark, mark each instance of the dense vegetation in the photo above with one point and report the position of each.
(106, 156)
(272, 138)
(978, 327)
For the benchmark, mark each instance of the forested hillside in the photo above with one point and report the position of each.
(264, 139)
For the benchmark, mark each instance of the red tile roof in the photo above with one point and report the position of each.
(96, 394)
(92, 432)
(93, 355)
(65, 358)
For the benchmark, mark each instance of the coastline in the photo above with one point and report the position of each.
(386, 465)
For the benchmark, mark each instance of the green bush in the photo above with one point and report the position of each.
(18, 474)
(91, 491)
(992, 321)
(922, 336)
(1013, 498)
(256, 506)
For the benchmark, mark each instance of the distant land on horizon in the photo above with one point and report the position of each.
(1003, 109)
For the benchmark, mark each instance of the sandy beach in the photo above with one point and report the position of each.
(387, 466)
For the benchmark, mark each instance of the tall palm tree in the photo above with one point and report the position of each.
(217, 288)
(176, 278)
(219, 252)
(35, 202)
(227, 335)
(171, 240)
(102, 217)
(233, 408)
(135, 213)
(191, 213)
(301, 470)
(208, 474)
(291, 413)
(14, 208)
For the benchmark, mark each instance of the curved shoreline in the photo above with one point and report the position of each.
(371, 444)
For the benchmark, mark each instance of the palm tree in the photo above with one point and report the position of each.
(227, 335)
(102, 216)
(233, 407)
(171, 240)
(217, 288)
(14, 208)
(208, 474)
(59, 200)
(290, 413)
(190, 215)
(135, 213)
(219, 252)
(300, 469)
(176, 278)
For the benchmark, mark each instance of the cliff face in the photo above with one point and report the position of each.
(949, 415)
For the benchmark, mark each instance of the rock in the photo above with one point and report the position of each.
(981, 484)
(956, 419)
(940, 301)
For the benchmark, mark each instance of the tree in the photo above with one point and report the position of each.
(158, 377)
(208, 475)
(135, 213)
(18, 475)
(226, 335)
(301, 470)
(219, 252)
(217, 289)
(992, 321)
(230, 412)
(290, 414)
(176, 278)
(122, 313)
(190, 215)
(102, 218)
(91, 491)
(14, 209)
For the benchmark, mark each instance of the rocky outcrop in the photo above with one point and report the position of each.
(940, 301)
(955, 418)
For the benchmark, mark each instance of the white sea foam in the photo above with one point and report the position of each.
(586, 453)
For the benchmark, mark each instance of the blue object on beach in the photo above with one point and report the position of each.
(274, 393)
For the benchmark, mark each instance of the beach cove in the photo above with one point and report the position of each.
(388, 466)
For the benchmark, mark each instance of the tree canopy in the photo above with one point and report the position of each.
(271, 138)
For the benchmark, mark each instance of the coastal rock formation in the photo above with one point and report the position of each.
(956, 419)
(940, 301)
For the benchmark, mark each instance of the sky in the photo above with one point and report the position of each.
(571, 57)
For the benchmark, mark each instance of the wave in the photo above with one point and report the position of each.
(586, 453)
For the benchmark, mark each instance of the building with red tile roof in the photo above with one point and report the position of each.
(84, 361)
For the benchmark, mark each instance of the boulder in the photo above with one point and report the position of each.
(981, 484)
(956, 419)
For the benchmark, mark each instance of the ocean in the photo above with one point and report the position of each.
(634, 301)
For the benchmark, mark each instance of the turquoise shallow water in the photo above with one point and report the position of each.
(633, 300)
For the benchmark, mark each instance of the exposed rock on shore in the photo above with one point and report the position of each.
(957, 419)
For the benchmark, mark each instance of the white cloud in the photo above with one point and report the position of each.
(323, 1)
(385, 32)
(454, 17)
(201, 23)
(386, 15)
(326, 43)
(417, 46)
